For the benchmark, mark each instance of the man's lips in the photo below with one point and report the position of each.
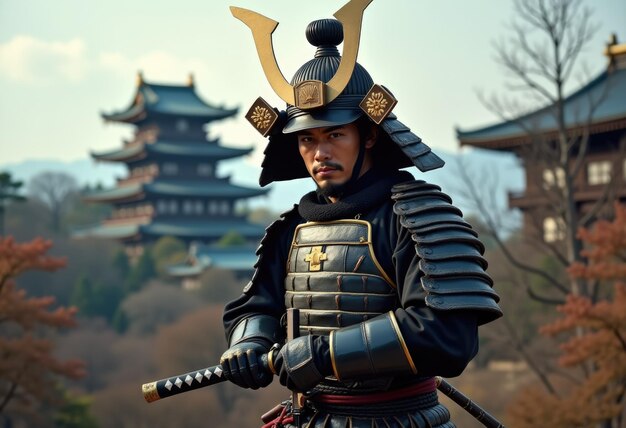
(324, 170)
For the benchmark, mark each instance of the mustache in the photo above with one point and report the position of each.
(327, 165)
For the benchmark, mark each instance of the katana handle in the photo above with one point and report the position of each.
(164, 388)
(470, 407)
(153, 391)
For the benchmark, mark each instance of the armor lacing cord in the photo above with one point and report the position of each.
(282, 419)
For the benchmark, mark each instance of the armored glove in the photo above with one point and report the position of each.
(303, 362)
(243, 365)
(251, 339)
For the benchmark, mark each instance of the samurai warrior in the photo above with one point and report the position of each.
(388, 277)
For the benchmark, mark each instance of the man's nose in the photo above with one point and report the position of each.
(322, 151)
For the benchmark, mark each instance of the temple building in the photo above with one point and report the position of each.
(596, 110)
(172, 187)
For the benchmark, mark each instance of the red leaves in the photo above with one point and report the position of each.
(26, 354)
(594, 336)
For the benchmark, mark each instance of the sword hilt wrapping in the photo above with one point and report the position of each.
(167, 387)
(153, 391)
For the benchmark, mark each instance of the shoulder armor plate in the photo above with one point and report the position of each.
(270, 234)
(451, 255)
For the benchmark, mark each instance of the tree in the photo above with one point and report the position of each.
(540, 59)
(598, 394)
(55, 190)
(156, 305)
(141, 272)
(28, 366)
(8, 192)
(75, 413)
(167, 251)
(95, 299)
(230, 239)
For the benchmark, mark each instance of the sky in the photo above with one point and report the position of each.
(64, 62)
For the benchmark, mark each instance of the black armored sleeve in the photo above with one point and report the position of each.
(450, 253)
(264, 294)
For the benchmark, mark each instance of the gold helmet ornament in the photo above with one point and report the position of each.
(329, 90)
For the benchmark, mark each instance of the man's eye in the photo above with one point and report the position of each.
(335, 135)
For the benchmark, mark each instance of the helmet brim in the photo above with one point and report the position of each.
(324, 118)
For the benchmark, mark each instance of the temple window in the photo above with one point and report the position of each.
(187, 207)
(182, 126)
(173, 207)
(199, 207)
(212, 207)
(161, 206)
(553, 229)
(599, 172)
(553, 177)
(170, 168)
(224, 208)
(205, 169)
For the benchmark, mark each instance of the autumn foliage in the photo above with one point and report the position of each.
(594, 335)
(28, 367)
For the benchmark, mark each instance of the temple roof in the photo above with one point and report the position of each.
(219, 188)
(184, 228)
(177, 100)
(607, 91)
(204, 149)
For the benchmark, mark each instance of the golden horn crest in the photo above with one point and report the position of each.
(350, 16)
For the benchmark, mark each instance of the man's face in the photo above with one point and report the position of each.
(329, 154)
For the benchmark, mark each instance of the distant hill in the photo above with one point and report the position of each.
(501, 171)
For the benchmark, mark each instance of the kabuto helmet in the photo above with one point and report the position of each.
(329, 90)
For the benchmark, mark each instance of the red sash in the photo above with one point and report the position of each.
(380, 397)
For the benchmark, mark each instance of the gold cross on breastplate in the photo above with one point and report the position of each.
(315, 258)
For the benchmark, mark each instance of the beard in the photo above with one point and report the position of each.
(332, 190)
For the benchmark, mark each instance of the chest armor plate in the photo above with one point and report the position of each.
(333, 276)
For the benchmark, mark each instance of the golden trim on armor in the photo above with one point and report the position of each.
(396, 327)
(332, 354)
(270, 361)
(368, 241)
(334, 311)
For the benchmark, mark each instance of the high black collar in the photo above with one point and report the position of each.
(369, 191)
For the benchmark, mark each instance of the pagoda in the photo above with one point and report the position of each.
(171, 188)
(604, 161)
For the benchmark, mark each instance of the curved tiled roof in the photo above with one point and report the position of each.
(185, 228)
(178, 100)
(183, 188)
(203, 149)
(608, 88)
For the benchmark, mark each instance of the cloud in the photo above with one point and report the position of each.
(29, 60)
(155, 65)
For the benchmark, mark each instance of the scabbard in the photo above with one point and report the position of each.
(470, 407)
(163, 388)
